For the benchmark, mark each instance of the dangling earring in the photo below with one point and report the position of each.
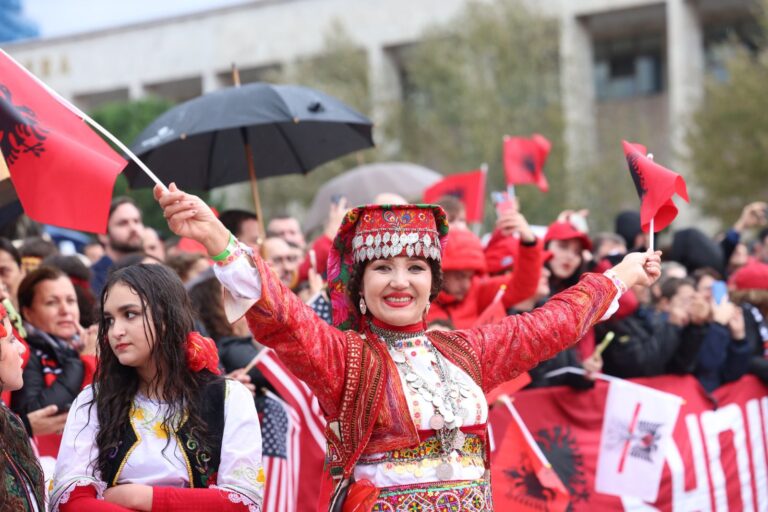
(363, 307)
(426, 310)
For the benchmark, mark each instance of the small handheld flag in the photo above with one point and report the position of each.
(524, 160)
(655, 186)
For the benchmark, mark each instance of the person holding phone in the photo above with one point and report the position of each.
(467, 289)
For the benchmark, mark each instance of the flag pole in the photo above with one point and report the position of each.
(85, 117)
(651, 227)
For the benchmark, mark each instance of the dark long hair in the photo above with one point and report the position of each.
(162, 297)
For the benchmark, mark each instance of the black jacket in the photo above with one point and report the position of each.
(49, 357)
(643, 345)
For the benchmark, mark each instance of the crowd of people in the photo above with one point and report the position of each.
(130, 408)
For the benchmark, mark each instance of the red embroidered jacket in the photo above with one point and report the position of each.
(319, 355)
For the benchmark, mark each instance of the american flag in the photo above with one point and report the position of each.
(322, 307)
(280, 440)
(304, 440)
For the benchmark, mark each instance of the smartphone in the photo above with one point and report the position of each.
(503, 202)
(719, 291)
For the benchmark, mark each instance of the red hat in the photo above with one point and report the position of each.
(380, 231)
(463, 251)
(562, 230)
(501, 254)
(752, 276)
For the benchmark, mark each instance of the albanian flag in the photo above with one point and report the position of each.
(655, 185)
(62, 172)
(524, 160)
(468, 187)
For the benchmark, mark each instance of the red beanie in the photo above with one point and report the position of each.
(463, 251)
(752, 276)
(565, 231)
(500, 255)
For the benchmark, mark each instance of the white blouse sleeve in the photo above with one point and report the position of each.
(75, 465)
(242, 286)
(240, 469)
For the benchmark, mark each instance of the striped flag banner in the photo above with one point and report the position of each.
(306, 456)
(280, 432)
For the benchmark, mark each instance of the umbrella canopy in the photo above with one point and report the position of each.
(361, 184)
(291, 129)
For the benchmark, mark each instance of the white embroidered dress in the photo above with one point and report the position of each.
(150, 462)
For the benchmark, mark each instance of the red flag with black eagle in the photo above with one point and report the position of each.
(62, 172)
(468, 187)
(524, 160)
(655, 185)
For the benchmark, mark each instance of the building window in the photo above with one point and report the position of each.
(628, 68)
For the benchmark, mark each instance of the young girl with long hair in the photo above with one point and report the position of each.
(159, 429)
(21, 478)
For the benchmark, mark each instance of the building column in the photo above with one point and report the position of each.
(685, 69)
(136, 90)
(578, 92)
(209, 82)
(386, 92)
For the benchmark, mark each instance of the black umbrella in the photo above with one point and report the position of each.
(229, 135)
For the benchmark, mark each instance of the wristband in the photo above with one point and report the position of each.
(231, 245)
(621, 285)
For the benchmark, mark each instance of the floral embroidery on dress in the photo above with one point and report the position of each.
(249, 475)
(145, 420)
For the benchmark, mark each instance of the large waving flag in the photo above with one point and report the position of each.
(468, 187)
(62, 172)
(637, 429)
(655, 185)
(524, 160)
(293, 471)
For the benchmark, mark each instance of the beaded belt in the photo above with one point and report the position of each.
(427, 449)
(464, 496)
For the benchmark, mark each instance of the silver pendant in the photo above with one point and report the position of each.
(444, 471)
(410, 377)
(449, 417)
(436, 422)
(458, 440)
(398, 357)
(437, 401)
(425, 394)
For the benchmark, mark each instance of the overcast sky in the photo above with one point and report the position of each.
(59, 17)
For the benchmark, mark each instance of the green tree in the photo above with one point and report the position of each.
(125, 120)
(492, 71)
(728, 137)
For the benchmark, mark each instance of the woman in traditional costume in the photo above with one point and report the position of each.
(406, 410)
(159, 429)
(21, 477)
